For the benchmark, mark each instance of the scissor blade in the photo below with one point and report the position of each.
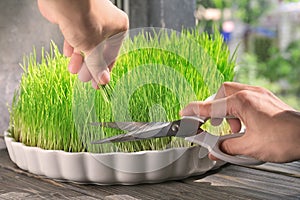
(131, 126)
(117, 138)
(157, 130)
(204, 139)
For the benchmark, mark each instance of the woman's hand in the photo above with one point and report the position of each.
(272, 127)
(91, 28)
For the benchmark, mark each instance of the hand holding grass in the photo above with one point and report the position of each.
(86, 24)
(272, 127)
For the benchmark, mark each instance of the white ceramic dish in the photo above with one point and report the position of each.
(110, 168)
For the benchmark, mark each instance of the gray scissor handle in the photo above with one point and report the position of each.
(238, 159)
(212, 143)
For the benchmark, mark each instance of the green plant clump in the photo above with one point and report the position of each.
(154, 77)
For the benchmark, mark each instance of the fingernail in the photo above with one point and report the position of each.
(216, 122)
(95, 85)
(104, 77)
(75, 63)
(71, 69)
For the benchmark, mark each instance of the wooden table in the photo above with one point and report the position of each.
(269, 181)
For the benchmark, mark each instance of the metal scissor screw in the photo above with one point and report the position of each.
(175, 127)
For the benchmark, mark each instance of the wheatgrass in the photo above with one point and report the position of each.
(156, 75)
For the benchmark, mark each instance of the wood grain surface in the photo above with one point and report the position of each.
(269, 181)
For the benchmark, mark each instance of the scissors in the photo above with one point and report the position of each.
(189, 128)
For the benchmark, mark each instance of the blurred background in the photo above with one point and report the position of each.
(265, 34)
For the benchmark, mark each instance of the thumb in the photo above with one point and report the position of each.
(235, 146)
(97, 65)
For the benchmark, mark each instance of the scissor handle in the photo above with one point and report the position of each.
(238, 159)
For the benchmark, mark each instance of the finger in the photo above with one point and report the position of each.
(236, 146)
(212, 157)
(112, 48)
(220, 106)
(68, 49)
(230, 88)
(104, 77)
(235, 125)
(95, 84)
(218, 110)
(196, 108)
(84, 74)
(75, 63)
(97, 66)
(215, 109)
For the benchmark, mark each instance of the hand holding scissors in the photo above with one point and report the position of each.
(188, 127)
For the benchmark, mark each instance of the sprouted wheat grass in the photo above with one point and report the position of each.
(153, 79)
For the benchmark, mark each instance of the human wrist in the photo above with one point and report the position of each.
(293, 132)
(297, 134)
